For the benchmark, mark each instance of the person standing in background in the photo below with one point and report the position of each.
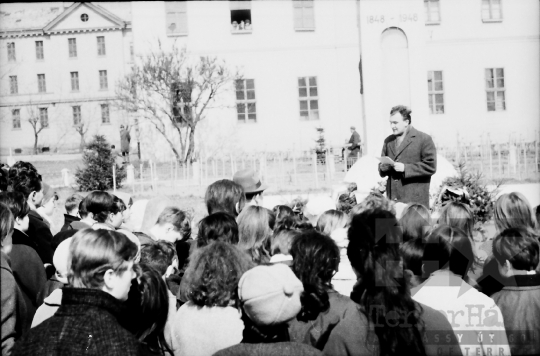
(125, 139)
(354, 147)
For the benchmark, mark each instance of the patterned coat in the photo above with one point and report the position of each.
(418, 153)
(85, 324)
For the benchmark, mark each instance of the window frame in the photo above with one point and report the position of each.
(105, 109)
(42, 83)
(308, 98)
(433, 92)
(178, 10)
(12, 54)
(246, 102)
(495, 89)
(13, 89)
(72, 47)
(74, 80)
(101, 47)
(102, 81)
(77, 115)
(490, 6)
(428, 4)
(240, 6)
(44, 123)
(16, 119)
(301, 4)
(40, 54)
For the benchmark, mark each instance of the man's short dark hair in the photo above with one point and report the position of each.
(177, 218)
(159, 255)
(519, 246)
(219, 226)
(223, 195)
(16, 202)
(73, 202)
(403, 110)
(101, 204)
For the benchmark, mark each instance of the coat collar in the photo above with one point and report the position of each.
(409, 138)
(91, 298)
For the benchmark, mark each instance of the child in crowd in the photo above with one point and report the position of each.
(107, 210)
(172, 225)
(448, 256)
(280, 246)
(225, 196)
(72, 211)
(330, 221)
(412, 253)
(371, 202)
(285, 217)
(50, 297)
(13, 308)
(255, 230)
(100, 274)
(391, 322)
(218, 226)
(48, 206)
(210, 320)
(415, 222)
(517, 254)
(87, 217)
(315, 261)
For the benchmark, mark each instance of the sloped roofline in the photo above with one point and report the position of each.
(100, 10)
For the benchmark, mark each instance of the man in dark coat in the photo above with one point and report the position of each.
(354, 147)
(414, 160)
(125, 139)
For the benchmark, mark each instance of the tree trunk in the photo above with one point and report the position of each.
(82, 144)
(35, 143)
(191, 147)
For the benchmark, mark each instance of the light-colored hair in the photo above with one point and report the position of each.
(415, 221)
(331, 220)
(93, 252)
(7, 222)
(254, 231)
(371, 202)
(458, 215)
(513, 211)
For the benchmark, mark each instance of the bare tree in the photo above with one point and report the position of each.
(174, 90)
(38, 123)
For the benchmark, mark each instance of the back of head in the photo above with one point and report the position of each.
(458, 215)
(412, 252)
(518, 246)
(153, 209)
(285, 217)
(448, 248)
(373, 251)
(254, 231)
(415, 222)
(158, 255)
(331, 220)
(371, 202)
(282, 241)
(7, 222)
(513, 211)
(211, 278)
(73, 202)
(101, 204)
(60, 260)
(270, 295)
(224, 196)
(93, 252)
(315, 261)
(177, 218)
(219, 226)
(16, 202)
(26, 182)
(83, 213)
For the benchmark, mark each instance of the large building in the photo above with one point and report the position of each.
(467, 68)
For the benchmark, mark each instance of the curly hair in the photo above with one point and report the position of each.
(212, 276)
(403, 110)
(371, 202)
(315, 261)
(219, 226)
(26, 182)
(254, 232)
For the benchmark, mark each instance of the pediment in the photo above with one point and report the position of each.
(84, 17)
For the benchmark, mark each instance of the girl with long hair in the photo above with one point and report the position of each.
(415, 222)
(255, 225)
(390, 322)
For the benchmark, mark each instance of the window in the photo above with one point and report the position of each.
(241, 16)
(42, 87)
(176, 13)
(11, 51)
(495, 89)
(432, 11)
(309, 98)
(13, 86)
(101, 45)
(74, 81)
(491, 11)
(16, 116)
(103, 80)
(435, 92)
(84, 17)
(43, 117)
(304, 16)
(39, 50)
(245, 100)
(76, 115)
(105, 118)
(72, 43)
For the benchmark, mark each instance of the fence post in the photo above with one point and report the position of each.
(500, 159)
(525, 158)
(114, 177)
(314, 159)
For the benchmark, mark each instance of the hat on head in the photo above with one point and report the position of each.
(249, 180)
(60, 260)
(270, 294)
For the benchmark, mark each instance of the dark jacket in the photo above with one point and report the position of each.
(20, 238)
(85, 324)
(50, 286)
(68, 219)
(418, 153)
(41, 234)
(277, 349)
(12, 315)
(125, 138)
(355, 142)
(519, 302)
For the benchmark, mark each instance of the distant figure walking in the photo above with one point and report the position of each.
(125, 139)
(354, 146)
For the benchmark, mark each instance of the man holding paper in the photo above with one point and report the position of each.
(409, 159)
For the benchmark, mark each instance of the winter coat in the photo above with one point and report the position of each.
(277, 349)
(519, 302)
(68, 219)
(85, 324)
(41, 234)
(418, 153)
(125, 138)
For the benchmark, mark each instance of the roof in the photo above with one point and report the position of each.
(28, 18)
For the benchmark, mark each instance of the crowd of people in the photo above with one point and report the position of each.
(132, 278)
